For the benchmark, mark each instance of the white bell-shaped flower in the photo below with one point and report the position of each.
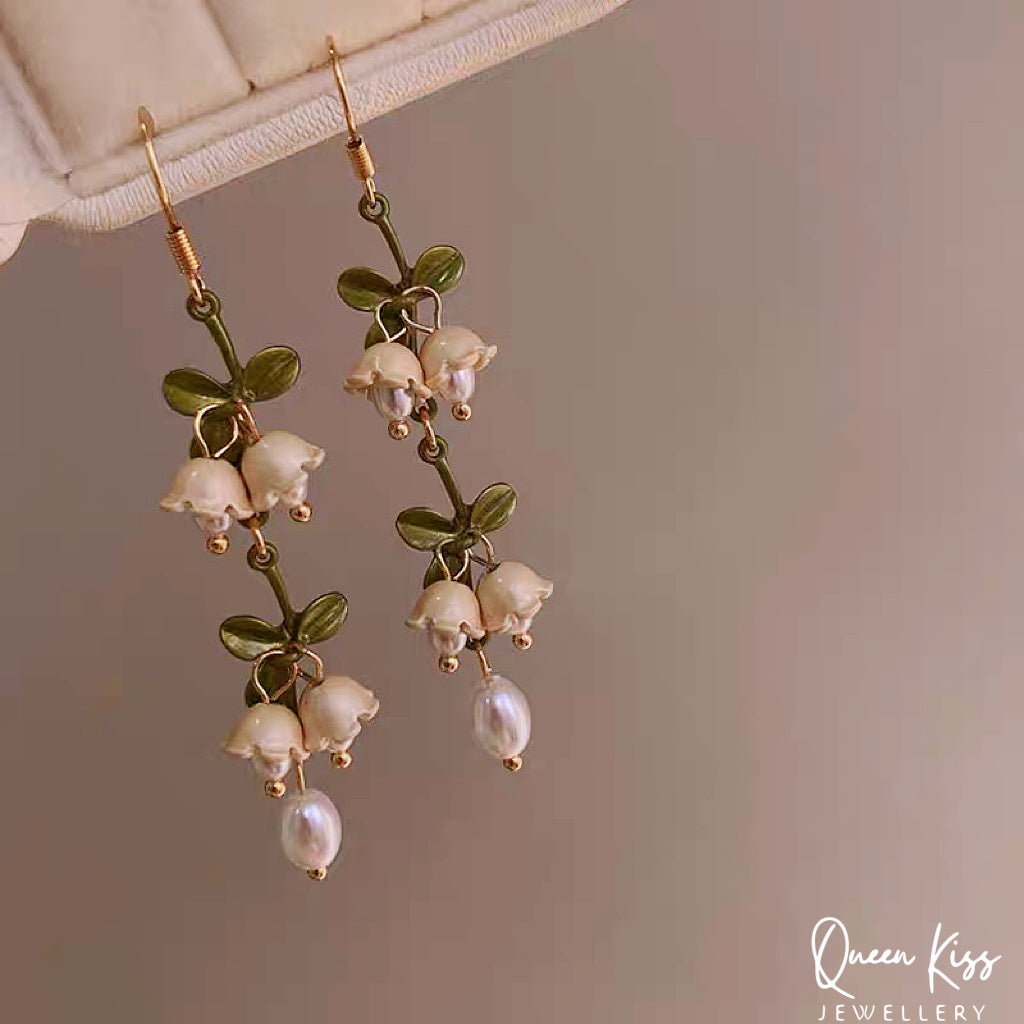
(451, 358)
(450, 613)
(213, 491)
(510, 596)
(332, 713)
(276, 469)
(271, 735)
(390, 375)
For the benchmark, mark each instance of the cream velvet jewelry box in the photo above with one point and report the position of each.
(232, 84)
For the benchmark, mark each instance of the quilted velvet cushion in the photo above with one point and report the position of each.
(233, 85)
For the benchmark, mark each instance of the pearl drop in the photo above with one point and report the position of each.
(501, 717)
(213, 524)
(447, 642)
(310, 830)
(296, 494)
(270, 768)
(392, 403)
(460, 385)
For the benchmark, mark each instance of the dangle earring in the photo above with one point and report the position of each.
(236, 474)
(403, 376)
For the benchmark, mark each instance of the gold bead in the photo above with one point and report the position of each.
(217, 545)
(341, 759)
(398, 429)
(513, 764)
(301, 513)
(448, 664)
(317, 874)
(275, 788)
(461, 411)
(523, 641)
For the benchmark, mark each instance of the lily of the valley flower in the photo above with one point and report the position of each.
(510, 596)
(213, 491)
(450, 614)
(451, 357)
(332, 713)
(271, 735)
(390, 375)
(276, 469)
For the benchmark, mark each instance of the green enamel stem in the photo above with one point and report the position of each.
(276, 581)
(290, 698)
(451, 486)
(382, 220)
(272, 572)
(387, 229)
(443, 467)
(226, 346)
(438, 458)
(391, 237)
(410, 339)
(271, 568)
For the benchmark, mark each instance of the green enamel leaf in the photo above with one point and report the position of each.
(363, 288)
(435, 572)
(322, 618)
(218, 432)
(247, 637)
(493, 507)
(391, 317)
(187, 391)
(439, 267)
(423, 528)
(271, 372)
(374, 336)
(274, 673)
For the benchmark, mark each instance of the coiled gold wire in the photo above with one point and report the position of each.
(183, 251)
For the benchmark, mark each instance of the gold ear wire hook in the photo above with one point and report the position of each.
(346, 103)
(147, 128)
(178, 242)
(358, 152)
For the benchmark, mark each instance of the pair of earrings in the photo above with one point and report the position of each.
(237, 475)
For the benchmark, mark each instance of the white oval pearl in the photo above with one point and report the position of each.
(501, 717)
(310, 830)
(392, 403)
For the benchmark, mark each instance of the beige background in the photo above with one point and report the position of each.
(755, 271)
